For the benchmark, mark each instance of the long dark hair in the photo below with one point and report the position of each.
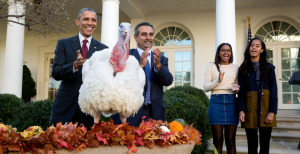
(217, 57)
(247, 67)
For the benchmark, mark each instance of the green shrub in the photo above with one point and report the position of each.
(28, 85)
(192, 109)
(33, 114)
(193, 91)
(9, 105)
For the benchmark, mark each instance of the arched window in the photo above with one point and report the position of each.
(175, 42)
(172, 35)
(278, 30)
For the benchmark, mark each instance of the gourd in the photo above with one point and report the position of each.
(181, 121)
(175, 126)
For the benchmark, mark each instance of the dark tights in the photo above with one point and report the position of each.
(230, 131)
(264, 140)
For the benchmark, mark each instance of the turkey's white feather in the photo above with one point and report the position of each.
(101, 91)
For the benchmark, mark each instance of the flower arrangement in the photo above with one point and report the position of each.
(74, 138)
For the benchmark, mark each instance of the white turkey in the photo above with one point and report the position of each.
(113, 82)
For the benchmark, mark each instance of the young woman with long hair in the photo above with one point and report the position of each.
(221, 80)
(257, 98)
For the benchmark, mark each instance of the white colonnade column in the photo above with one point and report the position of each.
(13, 65)
(110, 22)
(225, 24)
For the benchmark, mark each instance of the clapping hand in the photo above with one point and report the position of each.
(144, 55)
(79, 62)
(221, 76)
(157, 54)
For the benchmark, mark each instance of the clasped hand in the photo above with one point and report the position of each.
(79, 62)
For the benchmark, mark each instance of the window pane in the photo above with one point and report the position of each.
(164, 32)
(186, 76)
(296, 98)
(286, 75)
(51, 95)
(165, 54)
(268, 38)
(268, 27)
(276, 25)
(51, 84)
(291, 30)
(178, 76)
(57, 83)
(178, 31)
(176, 41)
(257, 36)
(285, 52)
(295, 53)
(285, 64)
(171, 30)
(178, 84)
(270, 53)
(156, 43)
(296, 88)
(284, 26)
(187, 56)
(186, 84)
(295, 64)
(295, 37)
(159, 37)
(187, 41)
(178, 56)
(184, 35)
(270, 61)
(186, 66)
(178, 66)
(286, 87)
(286, 99)
(261, 32)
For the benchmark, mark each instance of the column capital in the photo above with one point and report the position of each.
(111, 0)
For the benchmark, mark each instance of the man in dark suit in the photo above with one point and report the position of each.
(67, 67)
(157, 74)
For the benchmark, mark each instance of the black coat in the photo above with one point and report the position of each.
(66, 99)
(256, 104)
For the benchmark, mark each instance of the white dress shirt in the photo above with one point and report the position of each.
(88, 43)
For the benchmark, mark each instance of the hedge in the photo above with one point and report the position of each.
(33, 114)
(9, 105)
(192, 109)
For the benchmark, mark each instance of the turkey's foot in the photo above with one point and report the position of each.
(123, 118)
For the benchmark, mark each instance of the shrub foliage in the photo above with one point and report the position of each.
(28, 85)
(188, 103)
(33, 114)
(9, 105)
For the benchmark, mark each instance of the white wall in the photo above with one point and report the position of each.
(202, 26)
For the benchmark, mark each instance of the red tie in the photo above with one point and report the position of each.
(84, 49)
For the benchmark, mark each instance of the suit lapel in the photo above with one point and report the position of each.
(75, 43)
(92, 48)
(136, 54)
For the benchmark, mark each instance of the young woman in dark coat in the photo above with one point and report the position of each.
(257, 98)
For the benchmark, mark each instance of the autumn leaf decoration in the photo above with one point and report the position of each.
(74, 138)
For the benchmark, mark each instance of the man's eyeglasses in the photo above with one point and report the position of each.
(223, 51)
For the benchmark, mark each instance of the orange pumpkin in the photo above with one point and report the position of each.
(175, 126)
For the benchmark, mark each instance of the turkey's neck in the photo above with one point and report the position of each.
(120, 54)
